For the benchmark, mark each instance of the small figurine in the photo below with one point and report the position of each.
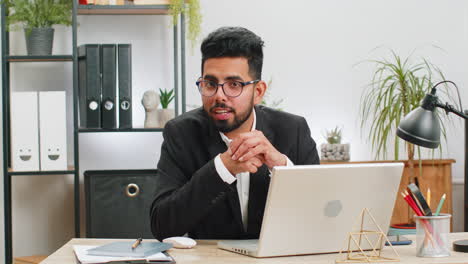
(150, 102)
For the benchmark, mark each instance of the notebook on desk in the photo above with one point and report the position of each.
(81, 253)
(310, 209)
(125, 249)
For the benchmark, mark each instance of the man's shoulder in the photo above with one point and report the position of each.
(277, 116)
(195, 118)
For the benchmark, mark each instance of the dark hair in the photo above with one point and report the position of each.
(235, 42)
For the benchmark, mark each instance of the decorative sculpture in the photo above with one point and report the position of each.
(150, 102)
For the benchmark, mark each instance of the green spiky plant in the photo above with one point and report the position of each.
(166, 97)
(397, 87)
(191, 10)
(29, 14)
(333, 136)
(276, 104)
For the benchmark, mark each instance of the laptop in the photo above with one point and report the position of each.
(311, 209)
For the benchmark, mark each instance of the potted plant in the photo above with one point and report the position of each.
(275, 104)
(333, 150)
(165, 114)
(37, 17)
(398, 86)
(191, 10)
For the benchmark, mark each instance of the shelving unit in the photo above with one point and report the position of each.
(129, 9)
(7, 59)
(8, 173)
(71, 170)
(39, 58)
(95, 130)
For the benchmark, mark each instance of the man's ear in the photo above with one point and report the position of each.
(259, 91)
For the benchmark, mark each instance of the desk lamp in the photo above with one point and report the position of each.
(421, 127)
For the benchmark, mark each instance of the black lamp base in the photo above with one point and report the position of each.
(460, 246)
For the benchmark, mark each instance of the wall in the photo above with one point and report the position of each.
(458, 205)
(315, 53)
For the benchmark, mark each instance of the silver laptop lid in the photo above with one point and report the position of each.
(311, 209)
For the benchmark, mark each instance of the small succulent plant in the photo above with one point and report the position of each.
(166, 97)
(334, 136)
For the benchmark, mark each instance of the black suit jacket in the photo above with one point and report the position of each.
(192, 198)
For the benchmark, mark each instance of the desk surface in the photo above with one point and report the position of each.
(206, 252)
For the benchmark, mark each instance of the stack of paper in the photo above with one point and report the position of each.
(83, 257)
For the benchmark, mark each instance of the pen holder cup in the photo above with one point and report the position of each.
(432, 235)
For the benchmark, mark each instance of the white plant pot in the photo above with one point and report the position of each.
(335, 152)
(165, 115)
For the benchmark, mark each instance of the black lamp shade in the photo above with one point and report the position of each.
(420, 127)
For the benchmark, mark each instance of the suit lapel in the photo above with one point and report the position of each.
(262, 124)
(259, 182)
(213, 141)
(258, 191)
(216, 146)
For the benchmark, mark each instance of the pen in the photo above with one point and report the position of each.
(137, 243)
(442, 200)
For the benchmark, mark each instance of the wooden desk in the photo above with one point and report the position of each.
(206, 252)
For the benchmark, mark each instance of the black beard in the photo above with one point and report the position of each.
(223, 125)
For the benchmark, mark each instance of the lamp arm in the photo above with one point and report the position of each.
(433, 90)
(451, 109)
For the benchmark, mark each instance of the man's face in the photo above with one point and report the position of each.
(229, 113)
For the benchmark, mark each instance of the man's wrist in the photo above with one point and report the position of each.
(281, 160)
(222, 170)
(289, 163)
(225, 160)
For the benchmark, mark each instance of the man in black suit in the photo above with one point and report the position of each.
(214, 171)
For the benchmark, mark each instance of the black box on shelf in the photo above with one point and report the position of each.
(118, 203)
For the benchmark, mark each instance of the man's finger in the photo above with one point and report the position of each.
(246, 146)
(259, 149)
(241, 150)
(257, 162)
(236, 142)
(253, 169)
(261, 158)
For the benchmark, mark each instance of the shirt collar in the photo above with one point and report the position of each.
(254, 124)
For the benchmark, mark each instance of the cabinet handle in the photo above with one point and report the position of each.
(132, 190)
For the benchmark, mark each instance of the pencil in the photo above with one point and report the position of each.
(414, 199)
(418, 212)
(442, 200)
(429, 197)
(412, 204)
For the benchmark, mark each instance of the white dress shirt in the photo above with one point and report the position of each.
(243, 178)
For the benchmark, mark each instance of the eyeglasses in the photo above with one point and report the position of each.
(230, 88)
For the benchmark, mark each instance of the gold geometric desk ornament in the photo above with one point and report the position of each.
(365, 244)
